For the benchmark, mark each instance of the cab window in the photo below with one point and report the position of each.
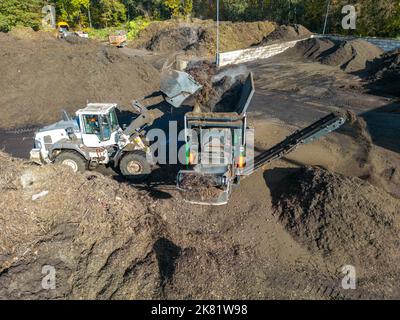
(105, 125)
(92, 125)
(114, 121)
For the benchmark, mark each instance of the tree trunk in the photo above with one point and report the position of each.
(90, 17)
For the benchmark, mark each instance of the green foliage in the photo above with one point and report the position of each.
(137, 25)
(133, 28)
(179, 8)
(375, 18)
(187, 7)
(103, 13)
(16, 12)
(100, 34)
(394, 24)
(112, 12)
(234, 9)
(73, 11)
(174, 6)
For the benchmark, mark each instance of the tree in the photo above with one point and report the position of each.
(73, 11)
(174, 6)
(16, 12)
(179, 8)
(187, 7)
(234, 9)
(107, 13)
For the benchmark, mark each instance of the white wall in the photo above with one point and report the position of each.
(246, 55)
(385, 44)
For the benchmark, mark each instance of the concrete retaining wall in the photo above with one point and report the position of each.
(384, 44)
(246, 55)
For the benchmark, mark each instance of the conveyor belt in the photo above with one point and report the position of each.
(315, 131)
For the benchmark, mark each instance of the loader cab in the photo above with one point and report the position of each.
(62, 29)
(99, 125)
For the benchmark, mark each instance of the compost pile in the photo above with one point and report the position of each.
(198, 38)
(92, 229)
(350, 56)
(41, 73)
(173, 40)
(221, 90)
(201, 187)
(346, 219)
(287, 33)
(383, 74)
(106, 240)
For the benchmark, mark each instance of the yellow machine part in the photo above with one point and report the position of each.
(62, 24)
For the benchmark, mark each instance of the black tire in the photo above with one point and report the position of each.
(73, 160)
(134, 166)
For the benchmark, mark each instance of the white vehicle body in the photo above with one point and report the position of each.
(94, 133)
(95, 137)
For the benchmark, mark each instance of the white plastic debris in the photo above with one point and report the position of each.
(39, 195)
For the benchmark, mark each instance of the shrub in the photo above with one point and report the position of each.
(136, 25)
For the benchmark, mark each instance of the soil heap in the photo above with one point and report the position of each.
(109, 240)
(346, 219)
(287, 33)
(221, 90)
(173, 40)
(383, 74)
(199, 37)
(42, 75)
(350, 56)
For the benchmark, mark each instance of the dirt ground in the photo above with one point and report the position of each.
(147, 243)
(286, 233)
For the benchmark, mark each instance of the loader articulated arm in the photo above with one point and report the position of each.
(146, 118)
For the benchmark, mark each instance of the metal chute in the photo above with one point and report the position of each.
(204, 188)
(178, 86)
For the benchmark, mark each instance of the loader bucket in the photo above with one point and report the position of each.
(178, 86)
(203, 189)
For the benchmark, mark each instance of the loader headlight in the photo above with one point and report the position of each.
(192, 158)
(241, 164)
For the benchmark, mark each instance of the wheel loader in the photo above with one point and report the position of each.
(64, 31)
(94, 136)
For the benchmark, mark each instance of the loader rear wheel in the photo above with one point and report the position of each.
(134, 166)
(73, 160)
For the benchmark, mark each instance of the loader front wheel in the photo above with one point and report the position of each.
(134, 166)
(72, 160)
